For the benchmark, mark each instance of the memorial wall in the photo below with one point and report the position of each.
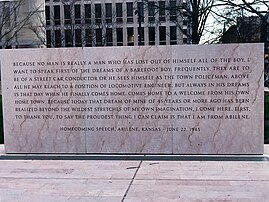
(151, 100)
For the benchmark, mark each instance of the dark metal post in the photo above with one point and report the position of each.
(139, 32)
(140, 16)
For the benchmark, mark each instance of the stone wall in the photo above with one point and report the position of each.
(156, 100)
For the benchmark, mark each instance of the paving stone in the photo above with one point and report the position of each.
(157, 181)
(68, 169)
(196, 190)
(62, 189)
(204, 170)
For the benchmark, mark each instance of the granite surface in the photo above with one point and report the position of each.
(155, 99)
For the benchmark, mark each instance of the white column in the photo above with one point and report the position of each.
(33, 34)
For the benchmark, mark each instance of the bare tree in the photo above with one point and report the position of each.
(259, 8)
(194, 13)
(13, 21)
(220, 12)
(249, 17)
(82, 25)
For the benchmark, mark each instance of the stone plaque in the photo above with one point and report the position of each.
(154, 99)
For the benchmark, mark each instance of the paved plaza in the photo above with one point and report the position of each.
(36, 180)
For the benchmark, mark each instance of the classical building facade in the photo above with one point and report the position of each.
(114, 23)
(21, 24)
